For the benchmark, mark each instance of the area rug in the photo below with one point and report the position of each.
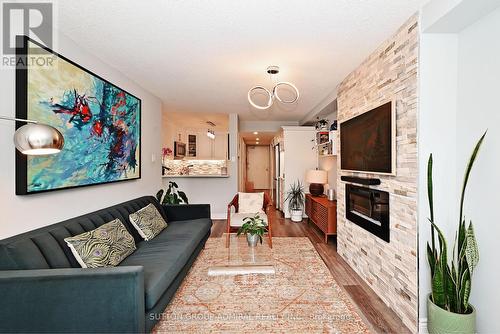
(301, 297)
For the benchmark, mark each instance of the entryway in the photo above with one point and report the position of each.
(256, 162)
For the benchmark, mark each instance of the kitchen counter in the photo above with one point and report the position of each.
(199, 176)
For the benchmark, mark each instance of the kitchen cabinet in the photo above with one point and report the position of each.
(192, 145)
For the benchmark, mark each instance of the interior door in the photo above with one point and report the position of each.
(258, 166)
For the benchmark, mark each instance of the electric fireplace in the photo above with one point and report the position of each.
(369, 209)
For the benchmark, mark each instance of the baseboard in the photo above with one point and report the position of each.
(422, 326)
(219, 215)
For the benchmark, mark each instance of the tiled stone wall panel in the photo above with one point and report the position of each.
(389, 74)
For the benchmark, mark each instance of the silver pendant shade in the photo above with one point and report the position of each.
(37, 139)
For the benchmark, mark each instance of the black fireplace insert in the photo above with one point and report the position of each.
(369, 209)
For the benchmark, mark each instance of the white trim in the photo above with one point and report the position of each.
(422, 326)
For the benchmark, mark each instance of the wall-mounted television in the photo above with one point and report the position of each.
(368, 141)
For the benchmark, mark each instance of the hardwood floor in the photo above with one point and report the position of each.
(371, 308)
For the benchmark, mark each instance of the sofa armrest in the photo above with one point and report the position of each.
(187, 211)
(72, 300)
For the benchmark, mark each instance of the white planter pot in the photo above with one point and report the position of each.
(296, 215)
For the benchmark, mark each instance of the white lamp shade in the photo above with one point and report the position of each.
(316, 176)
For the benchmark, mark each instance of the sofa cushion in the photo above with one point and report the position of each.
(164, 256)
(104, 246)
(148, 222)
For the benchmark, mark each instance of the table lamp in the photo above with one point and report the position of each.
(316, 179)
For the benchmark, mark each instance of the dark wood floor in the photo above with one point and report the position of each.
(372, 308)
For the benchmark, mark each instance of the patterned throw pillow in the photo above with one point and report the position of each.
(148, 222)
(250, 202)
(106, 246)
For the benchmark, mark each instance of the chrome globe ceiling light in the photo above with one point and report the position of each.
(274, 94)
(34, 138)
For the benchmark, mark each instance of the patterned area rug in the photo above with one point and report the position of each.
(302, 297)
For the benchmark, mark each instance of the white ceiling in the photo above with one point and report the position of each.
(203, 56)
(191, 120)
(265, 138)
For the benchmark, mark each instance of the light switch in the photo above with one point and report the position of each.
(153, 157)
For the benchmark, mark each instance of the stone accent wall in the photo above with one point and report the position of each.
(196, 167)
(390, 73)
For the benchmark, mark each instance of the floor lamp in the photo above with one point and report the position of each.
(34, 138)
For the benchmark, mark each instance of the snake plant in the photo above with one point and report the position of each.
(451, 280)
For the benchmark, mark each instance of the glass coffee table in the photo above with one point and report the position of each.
(241, 259)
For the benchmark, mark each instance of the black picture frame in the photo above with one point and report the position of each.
(21, 100)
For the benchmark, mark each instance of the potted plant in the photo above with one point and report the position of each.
(295, 198)
(254, 228)
(448, 308)
(172, 195)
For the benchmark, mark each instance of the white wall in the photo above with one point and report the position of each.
(23, 213)
(458, 89)
(478, 110)
(436, 135)
(217, 192)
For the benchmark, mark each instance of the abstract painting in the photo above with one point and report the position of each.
(100, 122)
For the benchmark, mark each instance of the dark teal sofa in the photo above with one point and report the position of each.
(43, 289)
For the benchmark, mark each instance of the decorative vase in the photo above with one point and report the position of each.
(440, 321)
(252, 239)
(296, 215)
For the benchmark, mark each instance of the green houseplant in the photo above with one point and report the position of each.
(295, 197)
(448, 307)
(172, 196)
(254, 228)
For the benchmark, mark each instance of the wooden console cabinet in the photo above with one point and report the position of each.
(323, 213)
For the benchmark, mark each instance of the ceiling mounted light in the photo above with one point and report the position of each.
(36, 139)
(272, 71)
(211, 133)
(255, 133)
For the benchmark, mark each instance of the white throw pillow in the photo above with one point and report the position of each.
(250, 202)
(148, 222)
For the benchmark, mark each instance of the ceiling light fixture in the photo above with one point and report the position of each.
(255, 133)
(272, 71)
(211, 133)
